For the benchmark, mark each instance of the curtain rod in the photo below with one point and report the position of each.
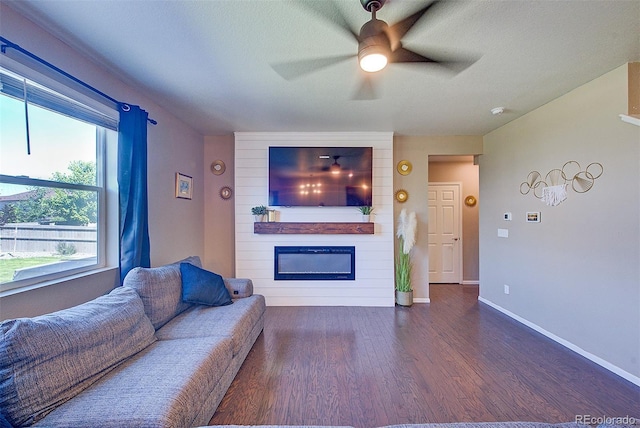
(8, 44)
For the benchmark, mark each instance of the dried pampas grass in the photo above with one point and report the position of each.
(407, 228)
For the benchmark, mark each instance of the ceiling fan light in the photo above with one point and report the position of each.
(374, 49)
(373, 62)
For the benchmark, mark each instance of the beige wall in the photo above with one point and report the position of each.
(575, 275)
(175, 224)
(417, 150)
(219, 214)
(467, 174)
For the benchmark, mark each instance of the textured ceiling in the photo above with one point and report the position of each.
(210, 62)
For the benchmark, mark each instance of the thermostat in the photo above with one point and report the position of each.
(507, 216)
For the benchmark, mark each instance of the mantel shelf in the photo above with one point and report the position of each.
(308, 228)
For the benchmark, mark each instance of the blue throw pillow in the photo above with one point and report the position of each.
(202, 287)
(4, 423)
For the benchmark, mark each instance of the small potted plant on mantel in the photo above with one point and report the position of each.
(407, 225)
(260, 212)
(366, 213)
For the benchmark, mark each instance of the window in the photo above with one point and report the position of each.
(52, 184)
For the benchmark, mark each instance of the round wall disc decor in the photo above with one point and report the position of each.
(402, 196)
(404, 167)
(470, 201)
(218, 167)
(226, 192)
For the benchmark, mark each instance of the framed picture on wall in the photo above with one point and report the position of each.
(184, 186)
(533, 217)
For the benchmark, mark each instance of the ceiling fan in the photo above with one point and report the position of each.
(326, 165)
(379, 44)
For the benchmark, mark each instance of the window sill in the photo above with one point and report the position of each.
(56, 281)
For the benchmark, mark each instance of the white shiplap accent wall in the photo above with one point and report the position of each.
(374, 253)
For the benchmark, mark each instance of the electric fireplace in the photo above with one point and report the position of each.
(315, 263)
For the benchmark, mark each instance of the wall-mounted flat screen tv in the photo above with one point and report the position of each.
(320, 176)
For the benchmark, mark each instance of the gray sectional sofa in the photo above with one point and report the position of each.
(137, 357)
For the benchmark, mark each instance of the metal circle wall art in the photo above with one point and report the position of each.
(570, 169)
(402, 196)
(533, 180)
(226, 192)
(554, 177)
(583, 181)
(553, 189)
(404, 167)
(218, 167)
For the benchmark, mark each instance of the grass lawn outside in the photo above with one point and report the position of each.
(9, 266)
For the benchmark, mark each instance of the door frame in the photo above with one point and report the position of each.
(458, 203)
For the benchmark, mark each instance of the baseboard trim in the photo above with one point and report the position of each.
(421, 300)
(471, 282)
(607, 365)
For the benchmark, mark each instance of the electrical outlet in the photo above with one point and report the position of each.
(506, 289)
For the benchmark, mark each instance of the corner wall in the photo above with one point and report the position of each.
(575, 275)
(219, 213)
(374, 284)
(417, 150)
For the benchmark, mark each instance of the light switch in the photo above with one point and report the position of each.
(503, 233)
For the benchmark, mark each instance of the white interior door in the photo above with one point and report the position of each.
(445, 233)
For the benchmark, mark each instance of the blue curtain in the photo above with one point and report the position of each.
(132, 189)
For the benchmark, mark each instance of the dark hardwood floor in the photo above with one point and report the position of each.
(453, 360)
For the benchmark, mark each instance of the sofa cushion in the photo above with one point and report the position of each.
(235, 321)
(47, 360)
(160, 289)
(202, 287)
(165, 385)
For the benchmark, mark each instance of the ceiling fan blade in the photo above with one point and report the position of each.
(366, 91)
(457, 65)
(405, 55)
(296, 69)
(398, 30)
(330, 12)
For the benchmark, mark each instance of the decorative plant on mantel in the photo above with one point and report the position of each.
(365, 210)
(259, 212)
(407, 226)
(366, 213)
